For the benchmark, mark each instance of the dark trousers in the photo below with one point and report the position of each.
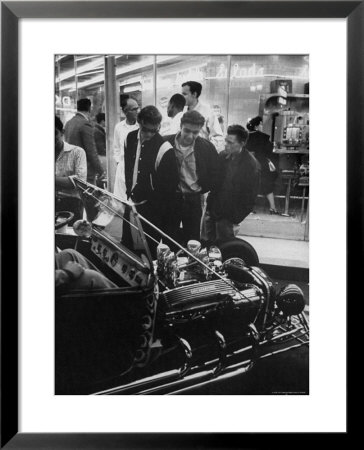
(218, 230)
(214, 230)
(187, 209)
(91, 179)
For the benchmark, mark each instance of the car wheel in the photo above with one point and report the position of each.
(239, 248)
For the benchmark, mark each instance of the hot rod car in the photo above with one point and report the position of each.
(178, 319)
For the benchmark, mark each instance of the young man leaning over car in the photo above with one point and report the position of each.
(150, 169)
(233, 199)
(198, 167)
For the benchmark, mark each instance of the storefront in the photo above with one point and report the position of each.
(237, 87)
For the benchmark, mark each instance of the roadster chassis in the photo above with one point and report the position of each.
(174, 325)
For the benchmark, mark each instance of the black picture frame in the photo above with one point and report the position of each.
(11, 12)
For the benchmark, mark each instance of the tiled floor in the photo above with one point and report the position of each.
(274, 226)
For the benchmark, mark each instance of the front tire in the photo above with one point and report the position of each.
(238, 248)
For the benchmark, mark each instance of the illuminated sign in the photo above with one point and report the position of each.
(239, 72)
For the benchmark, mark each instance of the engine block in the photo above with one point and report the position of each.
(205, 299)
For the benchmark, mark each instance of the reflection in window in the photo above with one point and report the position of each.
(173, 71)
(90, 73)
(66, 88)
(79, 76)
(134, 77)
(251, 75)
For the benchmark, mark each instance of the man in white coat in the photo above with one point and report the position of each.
(130, 108)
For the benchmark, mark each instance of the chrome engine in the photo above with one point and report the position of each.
(199, 286)
(210, 298)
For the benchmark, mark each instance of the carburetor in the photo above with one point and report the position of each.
(180, 269)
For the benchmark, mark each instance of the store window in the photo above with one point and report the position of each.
(79, 76)
(174, 70)
(90, 75)
(252, 76)
(65, 86)
(135, 77)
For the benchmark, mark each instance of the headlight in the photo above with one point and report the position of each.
(291, 300)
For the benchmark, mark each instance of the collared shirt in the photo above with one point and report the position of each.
(71, 161)
(175, 123)
(122, 129)
(211, 126)
(186, 162)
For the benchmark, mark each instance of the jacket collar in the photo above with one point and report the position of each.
(83, 115)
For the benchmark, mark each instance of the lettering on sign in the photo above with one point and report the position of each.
(239, 72)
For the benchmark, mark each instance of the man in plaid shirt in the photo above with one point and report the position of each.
(70, 160)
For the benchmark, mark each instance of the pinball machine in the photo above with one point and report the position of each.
(286, 120)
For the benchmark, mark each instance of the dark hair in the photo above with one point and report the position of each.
(193, 117)
(84, 104)
(178, 101)
(254, 122)
(194, 86)
(150, 114)
(124, 100)
(100, 116)
(59, 124)
(238, 131)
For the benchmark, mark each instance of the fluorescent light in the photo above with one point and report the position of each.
(119, 70)
(132, 88)
(95, 64)
(136, 79)
(59, 57)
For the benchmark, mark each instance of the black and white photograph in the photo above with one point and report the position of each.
(181, 199)
(182, 192)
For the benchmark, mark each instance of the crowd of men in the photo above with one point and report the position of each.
(184, 182)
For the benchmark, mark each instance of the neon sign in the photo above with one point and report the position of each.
(239, 72)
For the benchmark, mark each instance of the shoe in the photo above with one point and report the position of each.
(274, 211)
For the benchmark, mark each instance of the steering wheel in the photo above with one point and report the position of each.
(63, 218)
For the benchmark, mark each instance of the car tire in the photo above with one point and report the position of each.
(239, 248)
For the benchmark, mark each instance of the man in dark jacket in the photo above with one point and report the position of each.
(233, 199)
(100, 134)
(79, 131)
(150, 168)
(100, 142)
(198, 167)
